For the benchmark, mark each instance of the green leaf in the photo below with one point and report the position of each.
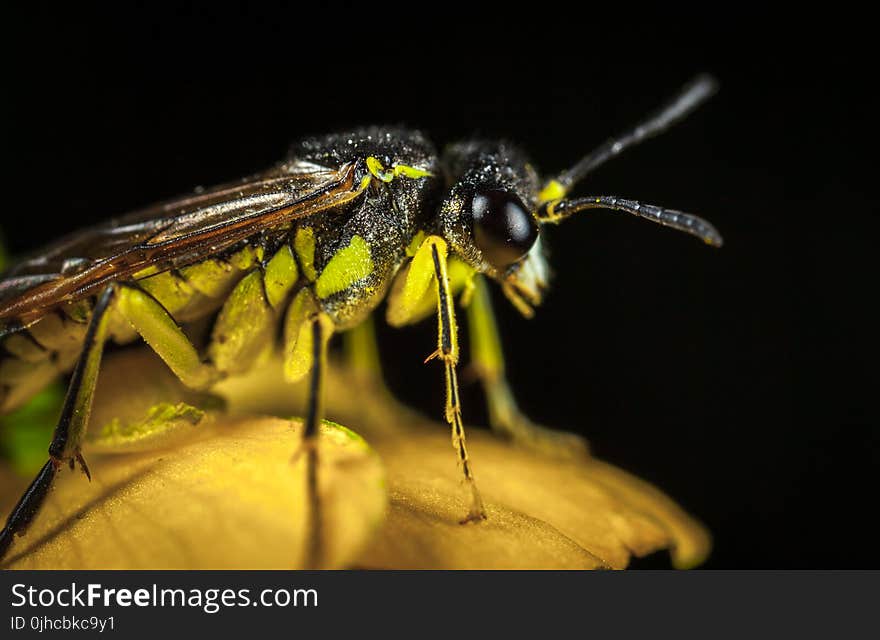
(27, 430)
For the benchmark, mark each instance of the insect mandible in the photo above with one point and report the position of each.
(305, 250)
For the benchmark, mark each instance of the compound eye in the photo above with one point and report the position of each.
(504, 230)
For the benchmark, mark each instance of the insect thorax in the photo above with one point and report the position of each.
(363, 245)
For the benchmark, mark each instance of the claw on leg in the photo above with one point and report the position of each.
(407, 303)
(72, 423)
(83, 466)
(477, 512)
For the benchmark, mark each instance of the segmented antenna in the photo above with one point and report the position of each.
(560, 210)
(689, 98)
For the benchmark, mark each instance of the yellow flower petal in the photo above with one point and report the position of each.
(543, 512)
(228, 496)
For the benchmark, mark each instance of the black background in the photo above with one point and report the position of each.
(737, 379)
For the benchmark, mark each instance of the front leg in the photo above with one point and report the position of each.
(430, 264)
(505, 416)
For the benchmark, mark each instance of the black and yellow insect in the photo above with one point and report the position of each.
(293, 255)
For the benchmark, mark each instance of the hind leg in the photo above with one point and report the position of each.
(71, 427)
(153, 322)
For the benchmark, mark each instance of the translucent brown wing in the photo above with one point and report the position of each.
(171, 234)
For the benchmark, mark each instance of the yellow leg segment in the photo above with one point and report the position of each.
(362, 351)
(165, 337)
(307, 333)
(505, 415)
(430, 263)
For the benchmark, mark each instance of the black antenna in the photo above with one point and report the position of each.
(558, 210)
(689, 98)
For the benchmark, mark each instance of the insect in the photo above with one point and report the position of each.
(290, 257)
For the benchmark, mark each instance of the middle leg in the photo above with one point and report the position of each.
(307, 334)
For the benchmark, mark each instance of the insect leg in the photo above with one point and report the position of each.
(244, 328)
(159, 330)
(72, 424)
(409, 300)
(320, 335)
(362, 351)
(505, 416)
(307, 332)
(362, 360)
(434, 249)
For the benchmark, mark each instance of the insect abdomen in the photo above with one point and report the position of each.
(34, 356)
